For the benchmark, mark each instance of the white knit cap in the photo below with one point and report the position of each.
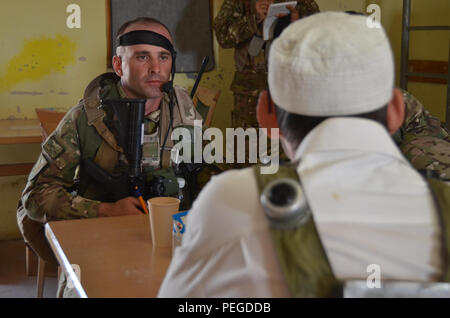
(331, 64)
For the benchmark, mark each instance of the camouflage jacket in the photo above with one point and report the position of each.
(235, 27)
(424, 141)
(50, 193)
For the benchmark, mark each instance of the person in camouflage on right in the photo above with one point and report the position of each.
(424, 140)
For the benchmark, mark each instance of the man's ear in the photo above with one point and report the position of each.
(265, 112)
(117, 65)
(395, 111)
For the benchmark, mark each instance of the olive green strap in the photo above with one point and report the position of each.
(107, 157)
(304, 262)
(301, 255)
(106, 134)
(441, 194)
(95, 117)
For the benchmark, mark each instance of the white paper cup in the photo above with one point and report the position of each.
(161, 210)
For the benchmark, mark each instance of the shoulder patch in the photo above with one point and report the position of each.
(53, 148)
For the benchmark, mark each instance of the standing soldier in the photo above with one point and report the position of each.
(239, 25)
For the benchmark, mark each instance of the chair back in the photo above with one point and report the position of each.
(49, 120)
(205, 101)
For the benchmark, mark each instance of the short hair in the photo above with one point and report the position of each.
(354, 12)
(141, 20)
(295, 127)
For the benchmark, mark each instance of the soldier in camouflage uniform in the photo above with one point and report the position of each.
(238, 25)
(58, 186)
(424, 141)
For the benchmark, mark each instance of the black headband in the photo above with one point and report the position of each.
(146, 37)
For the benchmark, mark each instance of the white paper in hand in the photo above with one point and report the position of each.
(280, 8)
(274, 10)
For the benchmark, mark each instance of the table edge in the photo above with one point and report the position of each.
(63, 261)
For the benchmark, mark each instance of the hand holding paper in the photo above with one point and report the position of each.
(275, 10)
(262, 7)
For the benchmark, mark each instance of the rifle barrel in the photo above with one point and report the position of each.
(199, 76)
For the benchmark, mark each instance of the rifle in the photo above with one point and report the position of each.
(199, 76)
(128, 121)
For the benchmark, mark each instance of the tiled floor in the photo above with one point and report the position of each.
(14, 283)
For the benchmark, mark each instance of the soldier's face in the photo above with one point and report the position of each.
(144, 68)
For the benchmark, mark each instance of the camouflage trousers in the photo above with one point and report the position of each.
(244, 112)
(244, 116)
(64, 290)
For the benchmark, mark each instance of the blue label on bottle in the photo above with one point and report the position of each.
(179, 222)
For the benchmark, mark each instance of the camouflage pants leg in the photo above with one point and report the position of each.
(34, 236)
(244, 112)
(64, 290)
(244, 116)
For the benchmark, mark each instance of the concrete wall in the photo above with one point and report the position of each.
(43, 64)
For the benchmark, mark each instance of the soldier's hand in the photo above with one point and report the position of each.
(295, 15)
(126, 206)
(262, 7)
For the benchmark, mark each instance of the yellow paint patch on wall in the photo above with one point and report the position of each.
(38, 58)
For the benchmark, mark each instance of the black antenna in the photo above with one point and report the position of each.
(199, 76)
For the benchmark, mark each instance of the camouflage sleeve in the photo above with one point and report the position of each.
(307, 7)
(47, 194)
(234, 24)
(420, 122)
(424, 141)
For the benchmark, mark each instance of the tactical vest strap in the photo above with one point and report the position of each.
(106, 157)
(107, 135)
(301, 255)
(441, 195)
(95, 118)
(100, 147)
(93, 113)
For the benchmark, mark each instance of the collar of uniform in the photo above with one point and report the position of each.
(121, 91)
(166, 97)
(347, 133)
(154, 116)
